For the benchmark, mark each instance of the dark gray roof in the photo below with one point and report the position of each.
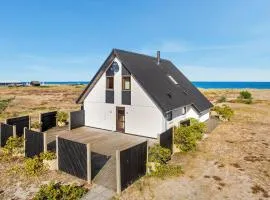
(154, 79)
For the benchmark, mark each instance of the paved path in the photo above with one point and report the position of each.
(99, 192)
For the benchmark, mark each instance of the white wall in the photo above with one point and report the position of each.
(191, 113)
(142, 116)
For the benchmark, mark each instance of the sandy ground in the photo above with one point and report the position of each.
(233, 162)
(33, 100)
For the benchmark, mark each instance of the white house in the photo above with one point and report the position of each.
(142, 95)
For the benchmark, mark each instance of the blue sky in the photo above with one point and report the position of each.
(210, 40)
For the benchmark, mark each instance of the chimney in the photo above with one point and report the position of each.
(158, 57)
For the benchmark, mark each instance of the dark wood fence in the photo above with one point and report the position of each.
(77, 119)
(166, 139)
(132, 164)
(47, 120)
(6, 131)
(35, 143)
(74, 158)
(20, 123)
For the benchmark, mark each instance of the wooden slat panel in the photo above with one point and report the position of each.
(6, 131)
(48, 120)
(77, 119)
(34, 143)
(166, 139)
(20, 123)
(72, 158)
(133, 164)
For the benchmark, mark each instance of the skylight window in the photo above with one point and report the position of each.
(172, 79)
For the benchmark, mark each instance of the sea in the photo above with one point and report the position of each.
(199, 84)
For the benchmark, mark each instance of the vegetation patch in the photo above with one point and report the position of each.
(14, 146)
(222, 99)
(48, 155)
(36, 125)
(216, 178)
(4, 104)
(224, 112)
(62, 118)
(245, 97)
(257, 189)
(186, 137)
(163, 171)
(60, 192)
(159, 154)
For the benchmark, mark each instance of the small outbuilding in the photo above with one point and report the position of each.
(35, 83)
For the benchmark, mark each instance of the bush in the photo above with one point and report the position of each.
(159, 154)
(33, 166)
(60, 192)
(245, 95)
(36, 125)
(198, 128)
(186, 137)
(224, 112)
(14, 145)
(222, 99)
(48, 155)
(163, 171)
(62, 117)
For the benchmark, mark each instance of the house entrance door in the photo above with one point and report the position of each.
(120, 119)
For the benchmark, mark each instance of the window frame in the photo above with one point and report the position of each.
(123, 83)
(108, 82)
(169, 116)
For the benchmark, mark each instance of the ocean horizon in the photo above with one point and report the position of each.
(199, 84)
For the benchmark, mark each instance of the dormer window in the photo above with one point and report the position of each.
(109, 83)
(126, 84)
(172, 79)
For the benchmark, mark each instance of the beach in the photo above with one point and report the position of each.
(232, 162)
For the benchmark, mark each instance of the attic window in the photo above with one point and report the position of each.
(109, 82)
(172, 79)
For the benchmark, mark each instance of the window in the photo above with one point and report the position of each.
(109, 83)
(169, 116)
(184, 110)
(126, 85)
(172, 79)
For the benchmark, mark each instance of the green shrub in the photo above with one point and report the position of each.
(57, 191)
(36, 125)
(33, 166)
(224, 112)
(222, 99)
(245, 95)
(198, 128)
(48, 155)
(163, 171)
(159, 154)
(62, 117)
(14, 145)
(185, 137)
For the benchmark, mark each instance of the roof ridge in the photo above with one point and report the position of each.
(139, 54)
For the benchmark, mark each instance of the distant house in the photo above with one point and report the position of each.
(142, 95)
(35, 83)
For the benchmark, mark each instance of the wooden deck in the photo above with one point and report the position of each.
(101, 141)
